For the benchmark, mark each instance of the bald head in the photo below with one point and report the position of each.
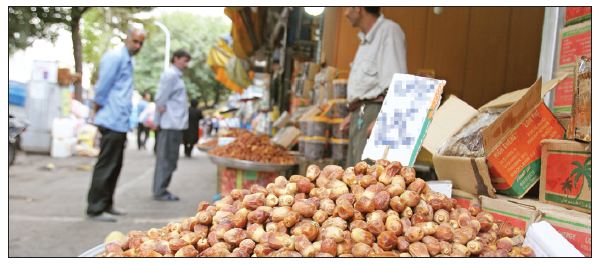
(135, 40)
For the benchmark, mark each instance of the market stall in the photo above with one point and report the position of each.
(513, 176)
(249, 159)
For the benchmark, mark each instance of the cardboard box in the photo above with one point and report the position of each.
(64, 77)
(472, 174)
(287, 137)
(575, 42)
(512, 143)
(580, 125)
(577, 14)
(573, 225)
(563, 95)
(465, 199)
(510, 210)
(566, 174)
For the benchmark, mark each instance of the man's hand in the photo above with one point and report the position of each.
(346, 123)
(97, 107)
(161, 109)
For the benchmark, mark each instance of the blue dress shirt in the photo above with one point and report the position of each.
(114, 90)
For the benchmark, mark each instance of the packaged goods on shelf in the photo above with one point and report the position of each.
(315, 147)
(337, 108)
(339, 88)
(339, 148)
(335, 128)
(318, 126)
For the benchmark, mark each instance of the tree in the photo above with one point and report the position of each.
(196, 35)
(31, 23)
(26, 24)
(104, 28)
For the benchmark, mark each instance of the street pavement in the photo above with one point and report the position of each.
(47, 205)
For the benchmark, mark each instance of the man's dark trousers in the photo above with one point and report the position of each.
(106, 171)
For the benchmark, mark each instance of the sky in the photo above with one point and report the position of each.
(20, 64)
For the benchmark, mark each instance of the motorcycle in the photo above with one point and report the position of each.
(16, 127)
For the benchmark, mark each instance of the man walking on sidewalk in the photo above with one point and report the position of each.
(112, 105)
(172, 109)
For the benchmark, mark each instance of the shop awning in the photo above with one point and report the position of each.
(247, 29)
(228, 69)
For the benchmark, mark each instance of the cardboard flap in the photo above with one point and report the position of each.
(504, 100)
(498, 129)
(287, 137)
(451, 116)
(512, 97)
(549, 85)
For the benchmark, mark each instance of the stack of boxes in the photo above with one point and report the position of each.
(575, 41)
(304, 80)
(525, 146)
(338, 111)
(322, 138)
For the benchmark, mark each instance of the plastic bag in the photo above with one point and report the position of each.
(468, 141)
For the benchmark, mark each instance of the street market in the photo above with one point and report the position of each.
(308, 132)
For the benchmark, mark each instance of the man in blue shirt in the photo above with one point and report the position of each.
(172, 111)
(113, 107)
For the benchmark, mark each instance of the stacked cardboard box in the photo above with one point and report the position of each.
(577, 14)
(575, 41)
(566, 177)
(573, 225)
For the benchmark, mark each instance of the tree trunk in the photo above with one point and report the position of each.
(205, 99)
(76, 13)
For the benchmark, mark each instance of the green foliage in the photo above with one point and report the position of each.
(190, 32)
(26, 24)
(105, 28)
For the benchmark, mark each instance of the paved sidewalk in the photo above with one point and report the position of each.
(47, 207)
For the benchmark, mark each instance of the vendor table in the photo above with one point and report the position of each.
(238, 174)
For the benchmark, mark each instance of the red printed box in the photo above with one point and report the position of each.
(465, 199)
(575, 42)
(577, 14)
(508, 210)
(564, 95)
(566, 176)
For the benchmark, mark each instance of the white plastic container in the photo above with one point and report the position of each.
(62, 147)
(545, 241)
(63, 128)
